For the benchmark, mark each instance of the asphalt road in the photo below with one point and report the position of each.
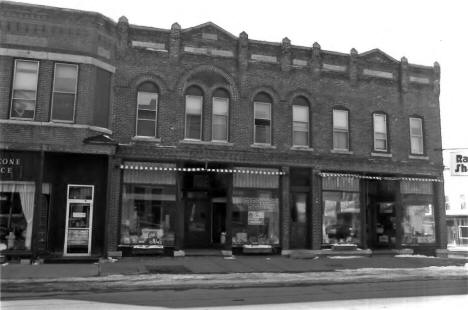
(358, 294)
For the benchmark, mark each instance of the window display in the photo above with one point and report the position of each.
(418, 224)
(16, 214)
(255, 218)
(148, 215)
(341, 217)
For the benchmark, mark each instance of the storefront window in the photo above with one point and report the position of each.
(255, 217)
(148, 215)
(148, 204)
(16, 214)
(341, 217)
(418, 223)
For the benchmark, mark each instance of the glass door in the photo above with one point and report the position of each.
(299, 221)
(79, 221)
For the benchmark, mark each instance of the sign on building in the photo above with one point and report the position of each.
(459, 163)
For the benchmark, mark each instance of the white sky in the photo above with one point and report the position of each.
(423, 31)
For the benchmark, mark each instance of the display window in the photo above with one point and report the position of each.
(418, 224)
(341, 218)
(148, 207)
(255, 217)
(16, 214)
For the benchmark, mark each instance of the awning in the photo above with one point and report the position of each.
(198, 169)
(369, 177)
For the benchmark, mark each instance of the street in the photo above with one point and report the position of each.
(368, 295)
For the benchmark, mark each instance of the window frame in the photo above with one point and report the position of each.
(307, 126)
(460, 235)
(13, 89)
(155, 116)
(201, 118)
(61, 92)
(255, 126)
(341, 130)
(387, 148)
(421, 121)
(212, 118)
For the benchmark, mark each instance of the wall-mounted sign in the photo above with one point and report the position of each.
(459, 163)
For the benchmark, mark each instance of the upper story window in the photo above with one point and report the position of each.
(340, 130)
(147, 110)
(262, 119)
(220, 126)
(416, 135)
(380, 132)
(64, 92)
(300, 111)
(24, 90)
(193, 113)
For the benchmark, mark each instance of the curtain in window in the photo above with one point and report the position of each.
(26, 191)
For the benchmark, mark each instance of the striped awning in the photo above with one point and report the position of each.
(369, 177)
(198, 169)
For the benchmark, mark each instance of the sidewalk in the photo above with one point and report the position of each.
(218, 265)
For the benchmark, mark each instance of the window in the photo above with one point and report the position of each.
(300, 125)
(24, 93)
(147, 110)
(416, 136)
(463, 232)
(220, 116)
(193, 113)
(340, 130)
(64, 93)
(262, 119)
(380, 132)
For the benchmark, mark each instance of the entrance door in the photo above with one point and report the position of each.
(218, 222)
(299, 221)
(79, 220)
(384, 225)
(197, 223)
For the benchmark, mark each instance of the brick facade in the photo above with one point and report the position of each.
(210, 58)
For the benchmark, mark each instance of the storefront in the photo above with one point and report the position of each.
(378, 212)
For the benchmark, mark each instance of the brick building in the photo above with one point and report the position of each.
(117, 137)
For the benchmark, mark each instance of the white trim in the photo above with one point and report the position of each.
(90, 223)
(61, 57)
(378, 73)
(226, 115)
(335, 68)
(381, 154)
(13, 89)
(54, 91)
(420, 157)
(51, 124)
(341, 151)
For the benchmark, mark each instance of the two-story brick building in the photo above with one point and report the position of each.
(144, 140)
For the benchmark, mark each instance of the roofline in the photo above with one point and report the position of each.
(210, 23)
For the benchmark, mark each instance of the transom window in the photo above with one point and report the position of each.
(220, 126)
(416, 136)
(300, 122)
(193, 113)
(340, 130)
(64, 92)
(262, 119)
(24, 90)
(380, 132)
(147, 110)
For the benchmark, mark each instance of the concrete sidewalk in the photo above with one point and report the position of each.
(217, 265)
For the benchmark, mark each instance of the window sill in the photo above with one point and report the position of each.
(418, 157)
(376, 154)
(146, 139)
(263, 146)
(342, 152)
(302, 148)
(217, 143)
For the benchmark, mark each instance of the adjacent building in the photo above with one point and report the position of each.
(118, 137)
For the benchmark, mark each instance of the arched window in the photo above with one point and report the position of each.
(262, 118)
(147, 110)
(193, 113)
(300, 109)
(220, 120)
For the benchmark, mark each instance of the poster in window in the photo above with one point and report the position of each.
(348, 206)
(256, 218)
(78, 237)
(330, 208)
